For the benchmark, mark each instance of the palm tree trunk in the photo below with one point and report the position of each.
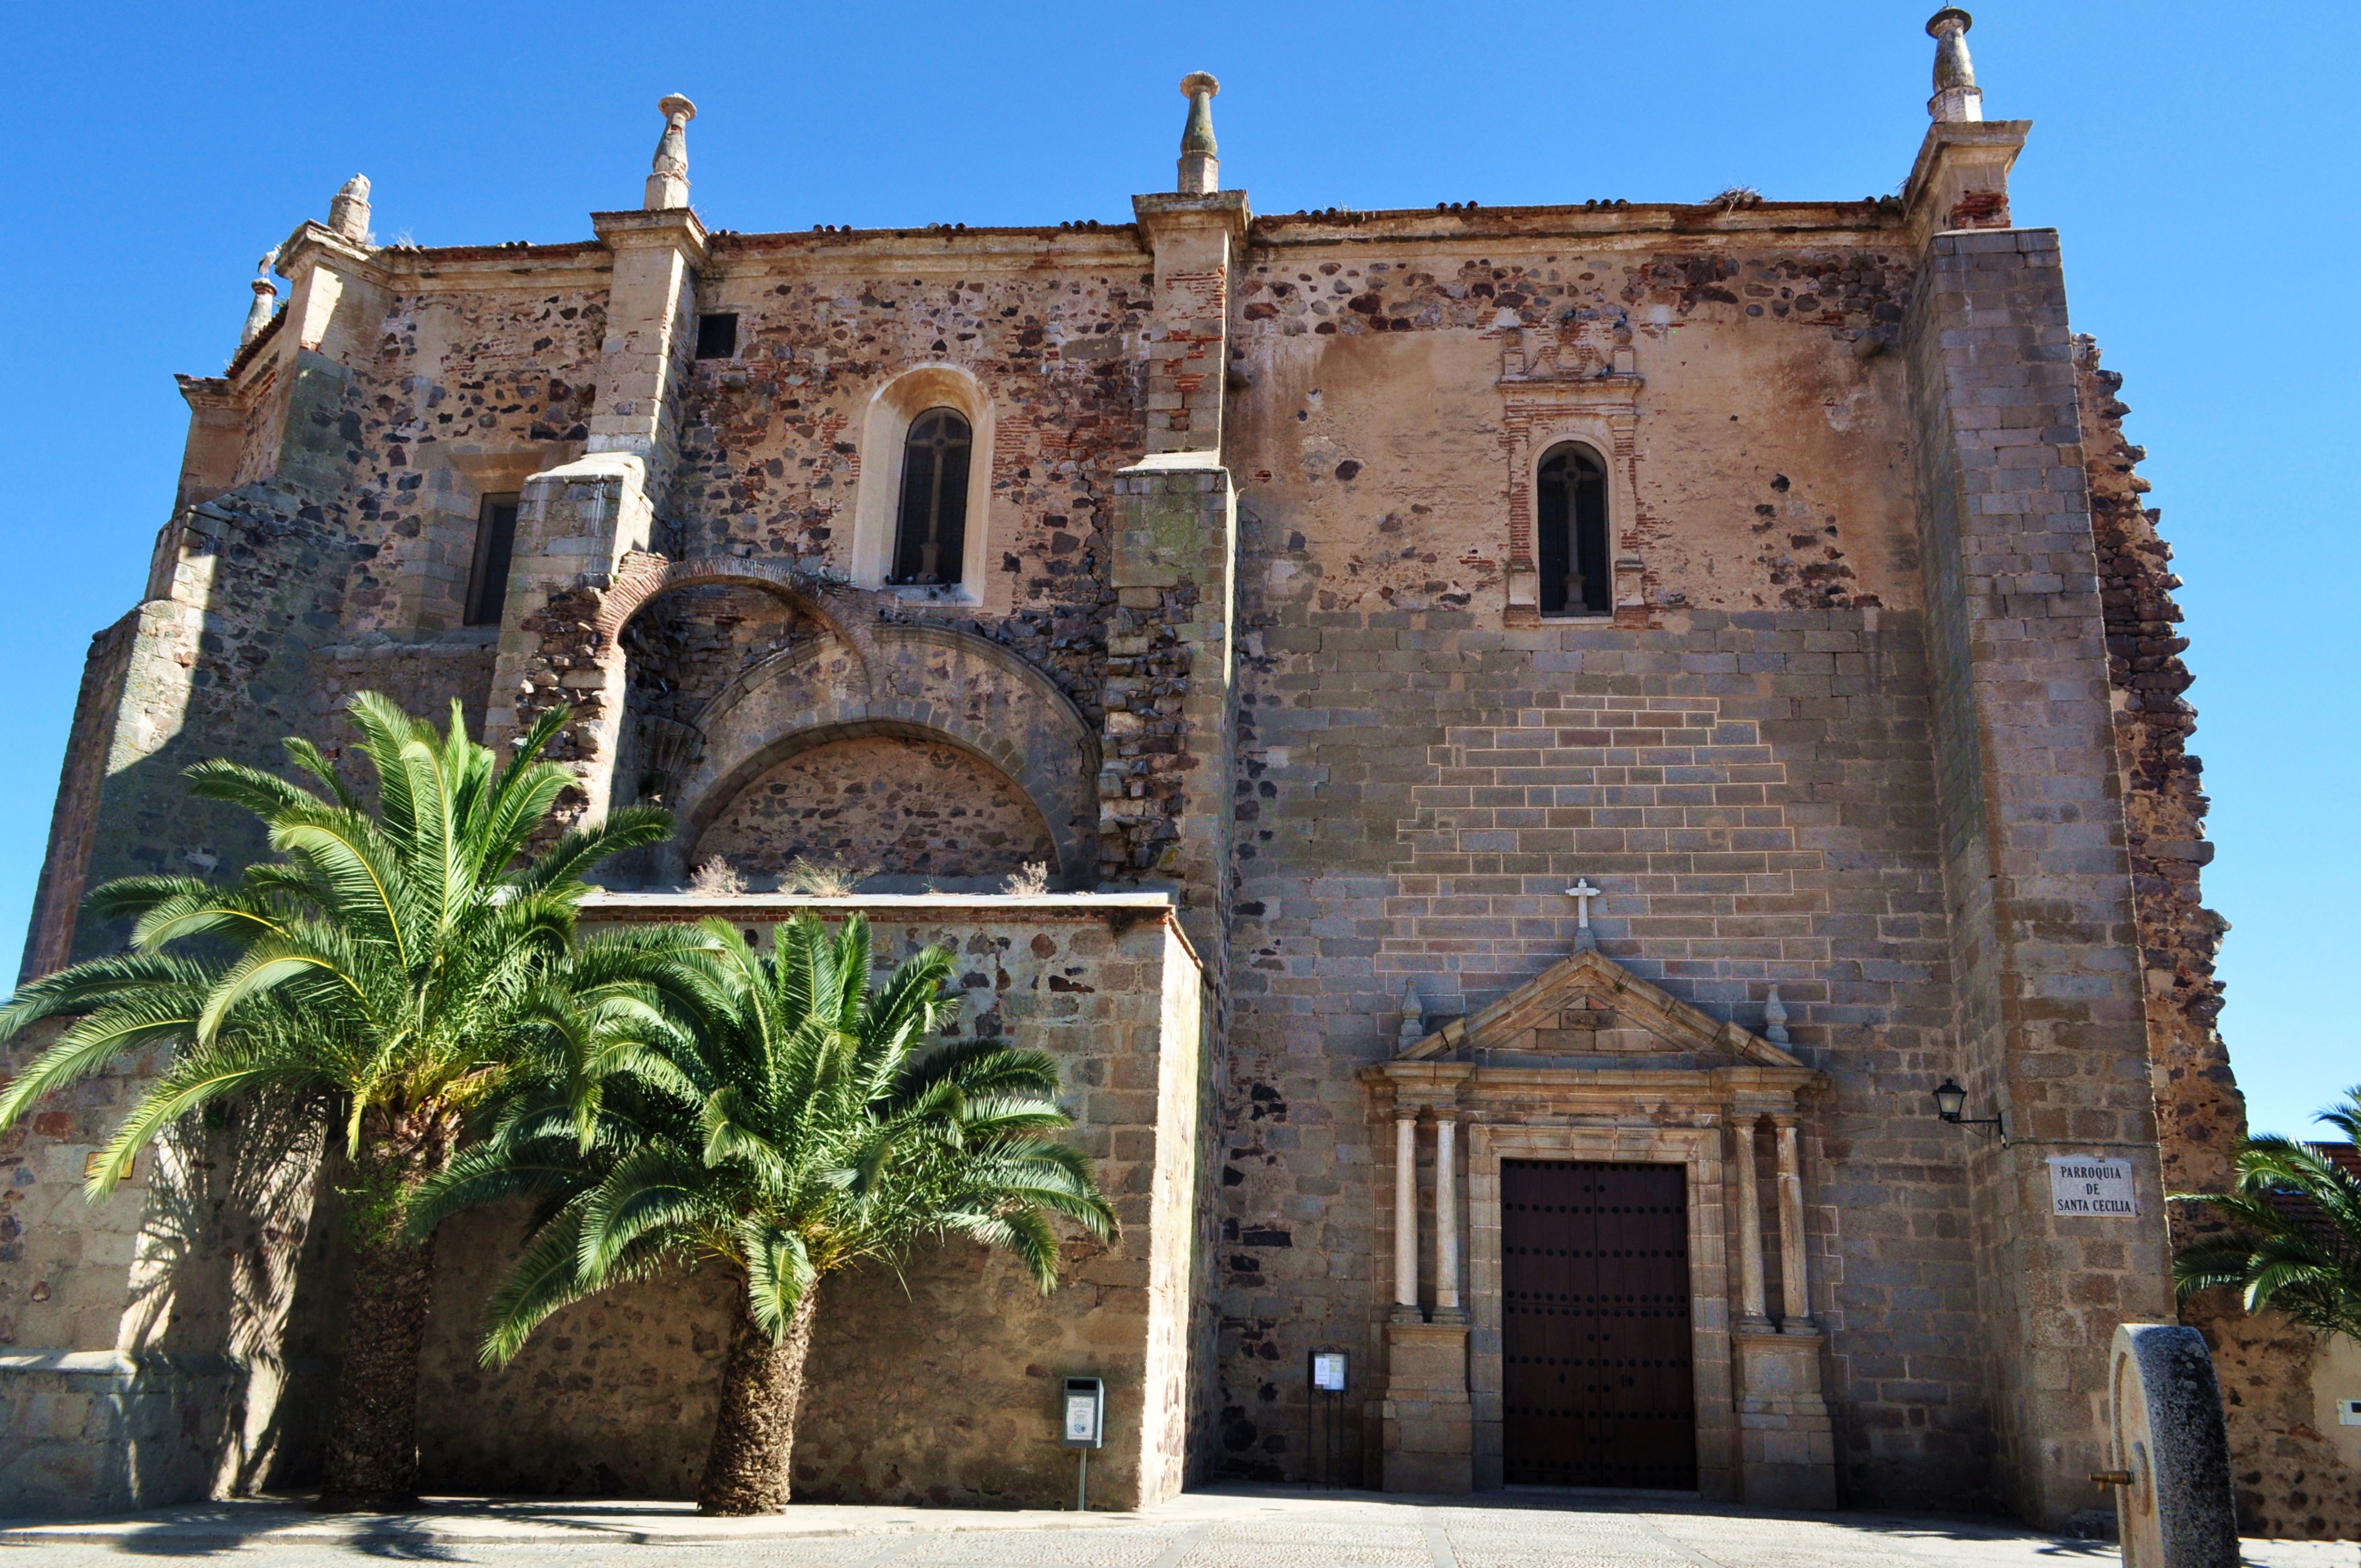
(754, 1434)
(372, 1460)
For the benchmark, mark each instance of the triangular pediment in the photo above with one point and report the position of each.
(1589, 1011)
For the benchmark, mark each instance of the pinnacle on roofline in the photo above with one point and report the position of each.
(1200, 162)
(1957, 98)
(667, 186)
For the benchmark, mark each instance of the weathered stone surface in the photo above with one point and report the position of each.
(1885, 714)
(935, 1383)
(904, 806)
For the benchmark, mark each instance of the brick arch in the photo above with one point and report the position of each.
(847, 612)
(921, 682)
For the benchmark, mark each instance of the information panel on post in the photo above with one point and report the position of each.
(1085, 1420)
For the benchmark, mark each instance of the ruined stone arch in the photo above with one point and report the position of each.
(645, 576)
(920, 682)
(854, 677)
(882, 794)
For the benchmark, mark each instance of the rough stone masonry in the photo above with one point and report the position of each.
(1315, 597)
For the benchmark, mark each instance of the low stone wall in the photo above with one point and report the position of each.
(937, 1383)
(105, 1431)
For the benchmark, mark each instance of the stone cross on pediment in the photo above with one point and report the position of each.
(1582, 893)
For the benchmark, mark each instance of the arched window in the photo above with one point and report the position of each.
(1572, 513)
(930, 533)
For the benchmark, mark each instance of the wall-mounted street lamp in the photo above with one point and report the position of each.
(1951, 1100)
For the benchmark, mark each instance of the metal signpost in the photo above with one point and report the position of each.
(1085, 1428)
(1325, 1370)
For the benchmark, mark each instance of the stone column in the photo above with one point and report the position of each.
(1165, 766)
(1786, 1443)
(1752, 1316)
(1447, 1222)
(1406, 1218)
(1796, 1312)
(1197, 239)
(578, 522)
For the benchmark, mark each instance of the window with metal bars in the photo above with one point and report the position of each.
(1570, 514)
(487, 578)
(930, 533)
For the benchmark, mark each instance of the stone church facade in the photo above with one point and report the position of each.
(1509, 750)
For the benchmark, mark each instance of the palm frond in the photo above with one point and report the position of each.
(361, 868)
(317, 762)
(134, 1021)
(197, 1077)
(2296, 1248)
(627, 827)
(775, 1111)
(778, 1271)
(202, 911)
(265, 794)
(87, 984)
(546, 1278)
(648, 1191)
(131, 897)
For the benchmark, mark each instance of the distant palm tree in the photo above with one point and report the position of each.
(792, 1128)
(2298, 1251)
(390, 969)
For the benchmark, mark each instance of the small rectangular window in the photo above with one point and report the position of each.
(717, 336)
(488, 580)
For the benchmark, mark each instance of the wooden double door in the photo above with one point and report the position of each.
(1597, 1381)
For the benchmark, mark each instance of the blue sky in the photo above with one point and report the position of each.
(2199, 161)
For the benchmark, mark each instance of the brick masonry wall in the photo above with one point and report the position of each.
(770, 439)
(909, 808)
(1751, 759)
(1752, 790)
(937, 1385)
(74, 821)
(1732, 499)
(223, 667)
(2048, 1007)
(458, 381)
(1745, 766)
(202, 1296)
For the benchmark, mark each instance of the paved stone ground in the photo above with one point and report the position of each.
(1233, 1527)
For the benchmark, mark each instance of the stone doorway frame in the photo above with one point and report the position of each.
(1589, 1061)
(1698, 1151)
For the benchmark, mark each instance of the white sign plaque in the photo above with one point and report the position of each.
(1328, 1371)
(2086, 1184)
(1081, 1418)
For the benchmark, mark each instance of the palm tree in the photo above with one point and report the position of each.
(792, 1128)
(2300, 1250)
(389, 970)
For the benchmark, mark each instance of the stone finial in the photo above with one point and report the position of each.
(668, 178)
(258, 315)
(266, 300)
(348, 213)
(1774, 1018)
(1200, 162)
(1957, 97)
(1413, 1027)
